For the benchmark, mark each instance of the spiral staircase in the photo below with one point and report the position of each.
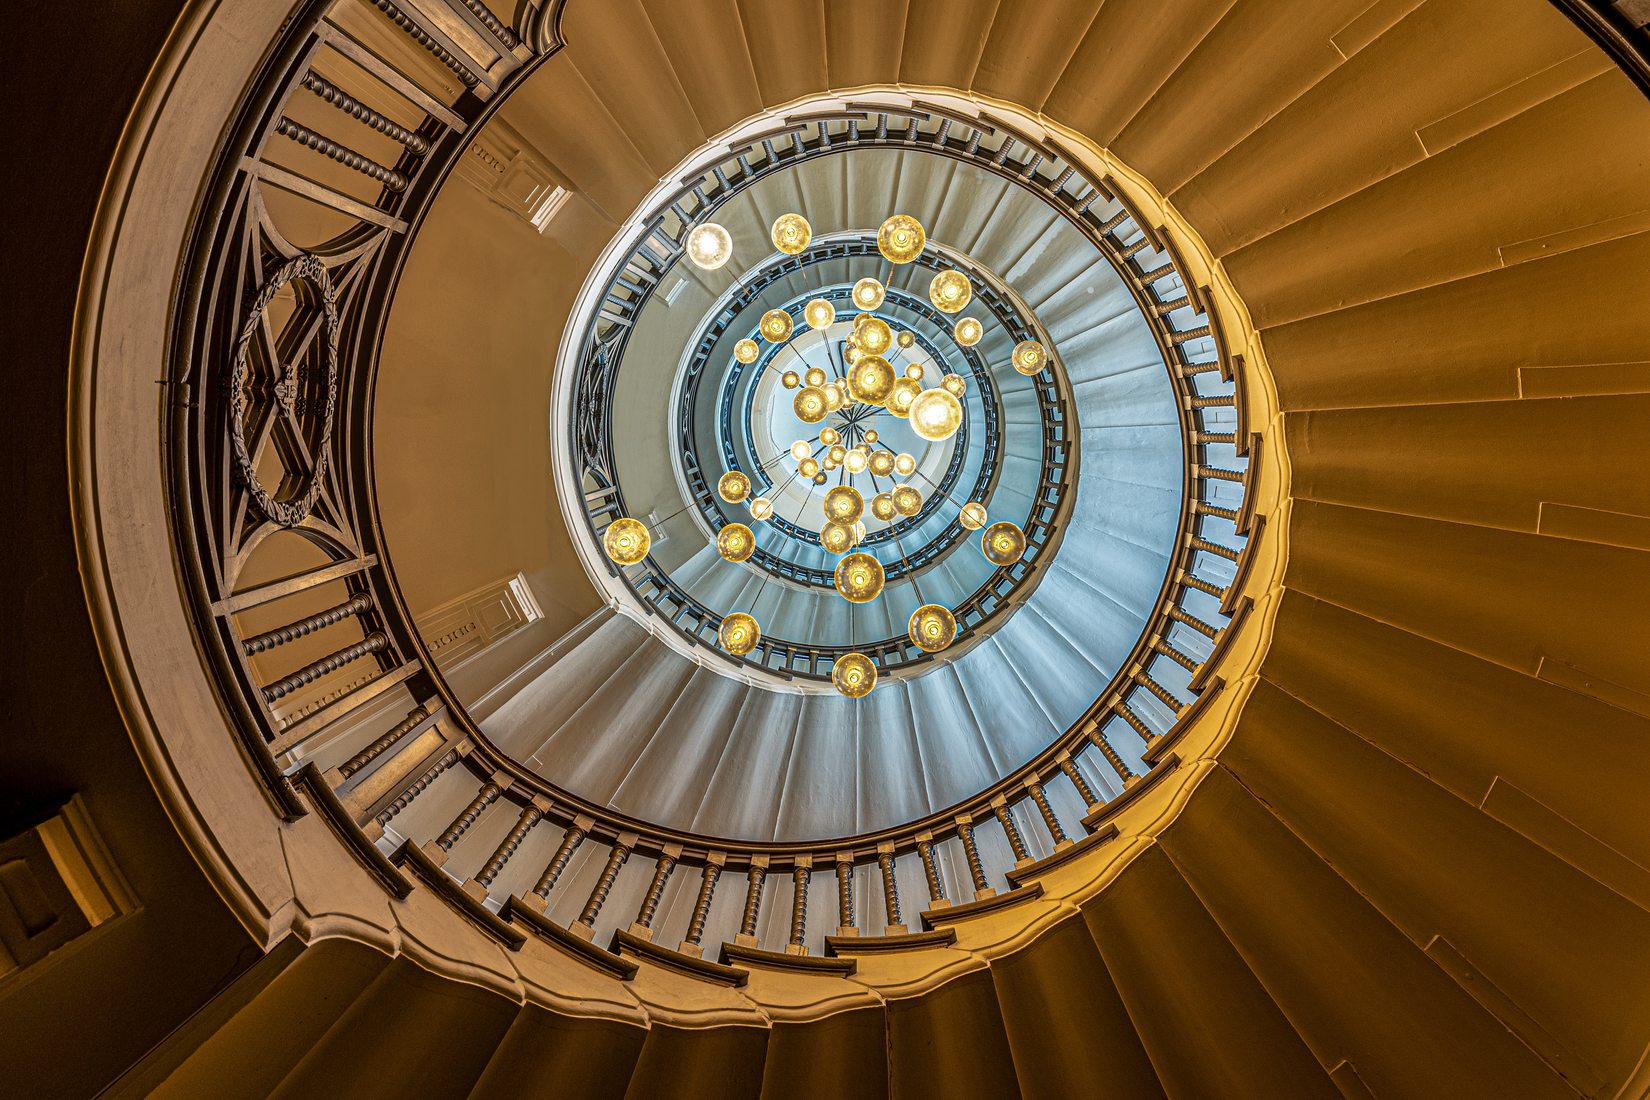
(1307, 758)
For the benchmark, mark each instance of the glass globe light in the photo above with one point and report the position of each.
(881, 463)
(972, 516)
(739, 633)
(872, 378)
(775, 326)
(837, 394)
(733, 486)
(836, 538)
(851, 355)
(808, 467)
(915, 372)
(870, 435)
(709, 246)
(907, 501)
(791, 233)
(968, 331)
(1003, 543)
(789, 380)
(843, 504)
(814, 376)
(875, 336)
(1029, 357)
(819, 479)
(746, 351)
(829, 436)
(801, 449)
(819, 313)
(932, 627)
(811, 404)
(936, 415)
(761, 507)
(852, 339)
(882, 507)
(859, 577)
(626, 541)
(827, 465)
(859, 531)
(904, 393)
(906, 339)
(735, 542)
(900, 239)
(949, 291)
(836, 454)
(856, 460)
(854, 675)
(868, 293)
(904, 465)
(954, 384)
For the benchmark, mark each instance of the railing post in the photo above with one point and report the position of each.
(1061, 840)
(999, 807)
(890, 891)
(965, 833)
(438, 848)
(1101, 742)
(756, 878)
(931, 871)
(800, 874)
(530, 816)
(570, 841)
(693, 945)
(585, 926)
(414, 718)
(643, 924)
(419, 786)
(1068, 766)
(845, 925)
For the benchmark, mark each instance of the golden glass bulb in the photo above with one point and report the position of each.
(882, 507)
(761, 507)
(709, 246)
(814, 376)
(852, 339)
(1003, 543)
(808, 467)
(827, 465)
(915, 372)
(949, 291)
(870, 435)
(801, 449)
(836, 538)
(829, 436)
(954, 384)
(1029, 357)
(626, 541)
(735, 542)
(875, 336)
(904, 393)
(739, 633)
(906, 339)
(851, 355)
(856, 460)
(746, 351)
(836, 454)
(859, 577)
(854, 675)
(872, 379)
(836, 394)
(843, 504)
(936, 415)
(881, 463)
(819, 313)
(972, 516)
(968, 331)
(900, 239)
(904, 464)
(789, 380)
(932, 627)
(868, 293)
(907, 501)
(859, 531)
(819, 479)
(791, 233)
(775, 326)
(811, 404)
(733, 486)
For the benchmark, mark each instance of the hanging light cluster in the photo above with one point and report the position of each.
(869, 383)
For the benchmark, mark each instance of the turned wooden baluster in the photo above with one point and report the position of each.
(1069, 767)
(931, 870)
(531, 815)
(701, 907)
(421, 784)
(800, 875)
(292, 631)
(643, 924)
(971, 850)
(756, 877)
(1038, 797)
(396, 732)
(443, 844)
(890, 891)
(585, 926)
(1101, 742)
(845, 895)
(999, 807)
(570, 841)
(376, 642)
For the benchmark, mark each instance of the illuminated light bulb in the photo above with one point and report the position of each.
(868, 293)
(789, 380)
(859, 531)
(746, 351)
(761, 507)
(837, 394)
(854, 675)
(827, 465)
(949, 291)
(836, 538)
(859, 577)
(852, 339)
(739, 633)
(875, 336)
(932, 627)
(709, 246)
(968, 331)
(851, 355)
(904, 393)
(882, 507)
(856, 460)
(801, 449)
(829, 436)
(814, 376)
(836, 454)
(870, 435)
(872, 379)
(775, 326)
(819, 313)
(907, 501)
(915, 372)
(735, 542)
(1029, 357)
(843, 504)
(808, 467)
(819, 479)
(1003, 543)
(954, 384)
(791, 233)
(881, 464)
(900, 239)
(972, 516)
(626, 541)
(936, 415)
(904, 465)
(733, 486)
(906, 339)
(811, 404)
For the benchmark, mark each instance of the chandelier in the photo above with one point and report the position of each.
(866, 378)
